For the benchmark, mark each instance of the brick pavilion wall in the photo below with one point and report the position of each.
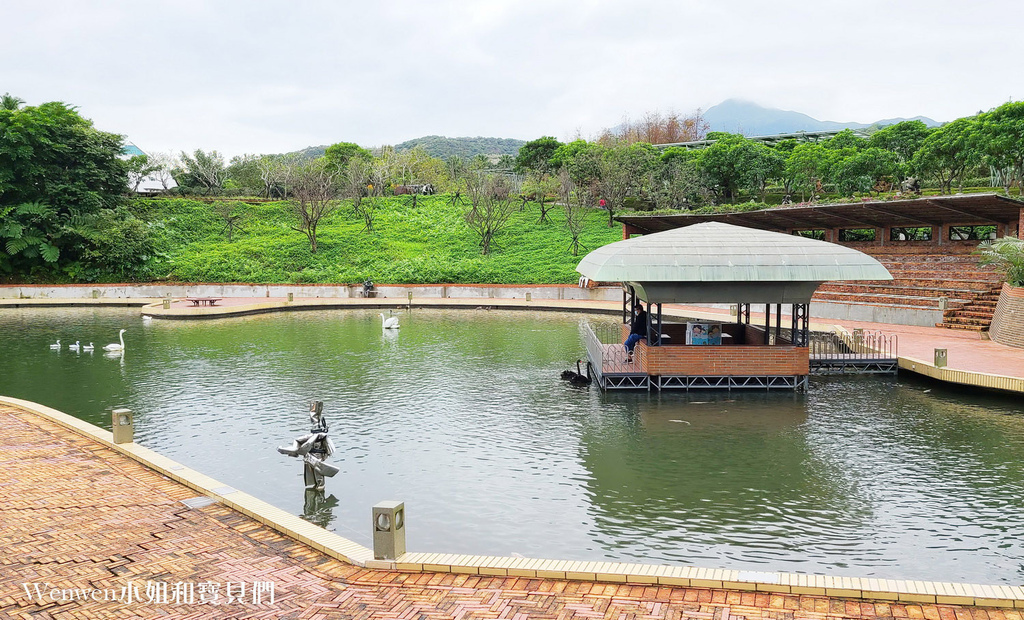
(736, 360)
(1008, 323)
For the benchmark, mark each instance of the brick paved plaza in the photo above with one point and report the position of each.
(80, 520)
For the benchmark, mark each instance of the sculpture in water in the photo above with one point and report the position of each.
(314, 449)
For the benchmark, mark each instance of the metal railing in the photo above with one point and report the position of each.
(858, 352)
(606, 351)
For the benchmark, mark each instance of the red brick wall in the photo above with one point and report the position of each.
(1008, 323)
(724, 360)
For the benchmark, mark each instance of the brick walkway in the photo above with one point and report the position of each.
(75, 515)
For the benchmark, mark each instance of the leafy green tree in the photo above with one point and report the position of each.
(1003, 138)
(139, 167)
(861, 170)
(675, 180)
(204, 170)
(806, 166)
(845, 139)
(566, 152)
(535, 155)
(903, 139)
(243, 174)
(733, 163)
(55, 169)
(338, 155)
(624, 171)
(949, 152)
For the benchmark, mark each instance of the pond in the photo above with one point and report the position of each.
(461, 415)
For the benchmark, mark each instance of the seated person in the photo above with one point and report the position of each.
(637, 330)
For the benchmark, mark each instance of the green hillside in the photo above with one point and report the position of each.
(440, 146)
(428, 243)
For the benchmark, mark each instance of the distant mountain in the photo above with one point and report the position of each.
(751, 119)
(443, 147)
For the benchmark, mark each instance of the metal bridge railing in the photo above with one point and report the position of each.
(858, 345)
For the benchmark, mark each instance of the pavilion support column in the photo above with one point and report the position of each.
(1020, 225)
(778, 322)
(767, 323)
(801, 335)
(746, 313)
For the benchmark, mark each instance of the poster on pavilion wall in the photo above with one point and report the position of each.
(703, 333)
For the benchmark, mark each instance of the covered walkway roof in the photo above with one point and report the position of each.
(716, 262)
(918, 212)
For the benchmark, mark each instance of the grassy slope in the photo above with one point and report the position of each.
(427, 244)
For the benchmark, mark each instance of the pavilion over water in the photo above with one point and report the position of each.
(714, 262)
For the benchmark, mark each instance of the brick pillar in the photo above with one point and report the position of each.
(628, 230)
(1020, 225)
(883, 234)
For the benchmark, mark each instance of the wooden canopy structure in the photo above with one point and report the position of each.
(934, 211)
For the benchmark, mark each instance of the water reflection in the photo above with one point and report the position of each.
(462, 416)
(318, 509)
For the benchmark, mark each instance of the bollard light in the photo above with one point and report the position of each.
(527, 297)
(122, 424)
(167, 304)
(291, 296)
(940, 358)
(943, 303)
(388, 530)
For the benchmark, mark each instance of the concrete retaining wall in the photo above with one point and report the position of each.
(876, 314)
(1008, 322)
(470, 291)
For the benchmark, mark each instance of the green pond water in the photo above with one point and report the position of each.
(461, 414)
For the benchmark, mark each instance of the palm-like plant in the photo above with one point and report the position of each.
(1008, 253)
(10, 102)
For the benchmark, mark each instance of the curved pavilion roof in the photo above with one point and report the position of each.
(715, 262)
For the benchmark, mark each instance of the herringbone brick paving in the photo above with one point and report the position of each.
(75, 514)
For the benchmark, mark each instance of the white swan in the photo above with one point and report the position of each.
(88, 347)
(57, 344)
(115, 346)
(390, 322)
(74, 347)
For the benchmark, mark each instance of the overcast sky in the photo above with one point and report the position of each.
(259, 76)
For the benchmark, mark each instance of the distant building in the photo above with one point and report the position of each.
(152, 184)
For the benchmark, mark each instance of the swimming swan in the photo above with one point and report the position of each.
(88, 347)
(57, 344)
(390, 322)
(74, 347)
(115, 346)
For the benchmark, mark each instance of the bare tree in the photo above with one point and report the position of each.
(231, 218)
(164, 163)
(574, 204)
(493, 203)
(658, 128)
(273, 173)
(355, 184)
(314, 191)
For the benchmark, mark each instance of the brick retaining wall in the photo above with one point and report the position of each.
(1008, 322)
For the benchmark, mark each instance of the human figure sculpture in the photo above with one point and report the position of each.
(314, 449)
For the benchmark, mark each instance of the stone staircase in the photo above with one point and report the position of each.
(973, 315)
(925, 278)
